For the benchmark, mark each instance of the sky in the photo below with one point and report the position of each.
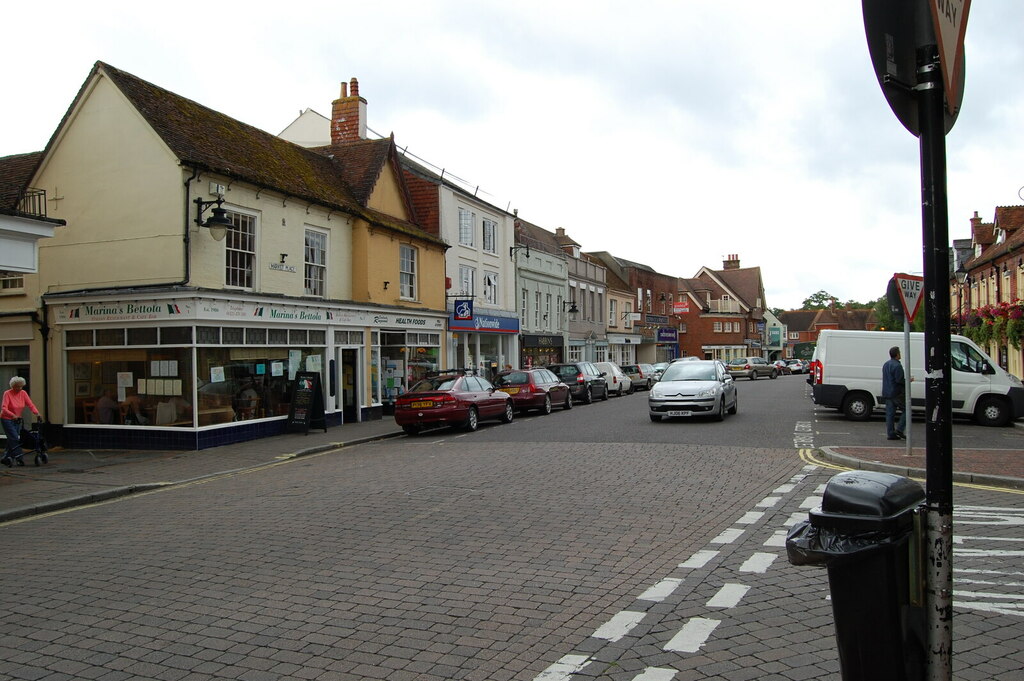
(673, 134)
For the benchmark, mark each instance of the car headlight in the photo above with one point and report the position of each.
(710, 392)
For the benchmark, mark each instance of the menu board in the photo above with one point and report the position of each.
(307, 403)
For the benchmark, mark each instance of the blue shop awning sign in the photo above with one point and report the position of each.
(483, 323)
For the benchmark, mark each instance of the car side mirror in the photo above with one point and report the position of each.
(987, 369)
(604, 373)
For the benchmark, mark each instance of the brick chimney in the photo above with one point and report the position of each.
(348, 115)
(731, 262)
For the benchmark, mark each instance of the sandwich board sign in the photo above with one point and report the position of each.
(911, 289)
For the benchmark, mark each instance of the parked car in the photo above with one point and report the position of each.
(798, 366)
(642, 375)
(701, 388)
(618, 382)
(586, 382)
(659, 367)
(751, 367)
(536, 388)
(782, 367)
(452, 400)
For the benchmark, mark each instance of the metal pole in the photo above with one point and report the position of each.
(939, 463)
(906, 384)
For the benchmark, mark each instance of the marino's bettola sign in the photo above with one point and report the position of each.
(201, 309)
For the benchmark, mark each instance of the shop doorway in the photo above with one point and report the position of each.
(348, 365)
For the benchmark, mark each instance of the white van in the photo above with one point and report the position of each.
(846, 373)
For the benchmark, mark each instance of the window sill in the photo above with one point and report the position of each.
(13, 292)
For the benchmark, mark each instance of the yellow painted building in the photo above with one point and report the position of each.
(146, 328)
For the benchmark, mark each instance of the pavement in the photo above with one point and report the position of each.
(81, 477)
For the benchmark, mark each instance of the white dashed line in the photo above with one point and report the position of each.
(767, 502)
(784, 489)
(655, 674)
(699, 559)
(796, 518)
(661, 590)
(811, 502)
(728, 536)
(728, 596)
(692, 636)
(759, 562)
(564, 668)
(777, 539)
(750, 517)
(618, 626)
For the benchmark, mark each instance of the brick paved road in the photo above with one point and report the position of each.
(453, 557)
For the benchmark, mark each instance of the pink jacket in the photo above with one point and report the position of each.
(14, 404)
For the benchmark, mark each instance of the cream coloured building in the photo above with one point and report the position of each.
(197, 332)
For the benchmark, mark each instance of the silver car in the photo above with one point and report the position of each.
(701, 388)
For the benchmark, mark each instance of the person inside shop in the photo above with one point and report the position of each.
(247, 401)
(107, 409)
(14, 404)
(132, 407)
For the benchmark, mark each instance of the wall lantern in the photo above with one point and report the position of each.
(217, 223)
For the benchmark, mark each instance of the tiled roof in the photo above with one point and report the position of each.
(15, 173)
(744, 282)
(537, 238)
(798, 320)
(204, 138)
(1010, 219)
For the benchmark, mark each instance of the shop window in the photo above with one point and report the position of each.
(317, 337)
(232, 336)
(80, 338)
(348, 337)
(297, 337)
(142, 336)
(130, 386)
(277, 337)
(255, 336)
(176, 335)
(109, 336)
(208, 335)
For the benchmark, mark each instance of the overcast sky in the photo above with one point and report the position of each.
(668, 133)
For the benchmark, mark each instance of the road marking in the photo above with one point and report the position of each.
(728, 536)
(728, 596)
(1011, 609)
(784, 489)
(811, 502)
(759, 562)
(692, 636)
(656, 674)
(778, 539)
(661, 590)
(619, 625)
(750, 517)
(767, 502)
(699, 559)
(796, 518)
(564, 668)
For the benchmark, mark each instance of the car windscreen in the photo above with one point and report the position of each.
(512, 378)
(436, 383)
(568, 371)
(689, 371)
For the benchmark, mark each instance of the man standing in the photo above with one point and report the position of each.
(893, 390)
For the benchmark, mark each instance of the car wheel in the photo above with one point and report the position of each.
(655, 418)
(588, 395)
(412, 430)
(510, 412)
(472, 421)
(605, 396)
(546, 409)
(991, 411)
(857, 406)
(735, 405)
(568, 401)
(720, 414)
(773, 374)
(753, 375)
(631, 389)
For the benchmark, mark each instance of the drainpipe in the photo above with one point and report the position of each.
(188, 236)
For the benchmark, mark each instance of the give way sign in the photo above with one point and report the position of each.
(911, 291)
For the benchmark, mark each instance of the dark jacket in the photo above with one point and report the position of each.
(893, 383)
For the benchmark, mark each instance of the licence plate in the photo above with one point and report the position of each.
(510, 391)
(423, 404)
(680, 413)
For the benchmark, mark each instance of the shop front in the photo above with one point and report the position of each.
(485, 343)
(540, 351)
(668, 344)
(622, 348)
(170, 371)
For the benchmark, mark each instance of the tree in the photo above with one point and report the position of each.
(818, 301)
(889, 322)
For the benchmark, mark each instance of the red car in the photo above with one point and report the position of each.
(536, 389)
(453, 400)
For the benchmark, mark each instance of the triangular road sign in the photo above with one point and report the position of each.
(950, 20)
(911, 292)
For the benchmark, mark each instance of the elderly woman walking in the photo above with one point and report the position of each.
(14, 403)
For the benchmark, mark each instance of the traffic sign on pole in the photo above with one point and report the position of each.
(950, 19)
(911, 287)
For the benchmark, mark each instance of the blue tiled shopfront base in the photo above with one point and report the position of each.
(178, 438)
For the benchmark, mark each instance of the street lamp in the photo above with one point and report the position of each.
(961, 277)
(217, 223)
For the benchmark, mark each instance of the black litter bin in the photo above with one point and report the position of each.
(864, 533)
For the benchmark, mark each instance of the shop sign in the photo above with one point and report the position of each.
(120, 311)
(463, 310)
(483, 323)
(656, 319)
(623, 339)
(681, 306)
(668, 335)
(543, 341)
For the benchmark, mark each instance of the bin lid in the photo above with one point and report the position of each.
(867, 501)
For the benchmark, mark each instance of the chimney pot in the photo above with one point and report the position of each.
(344, 90)
(355, 87)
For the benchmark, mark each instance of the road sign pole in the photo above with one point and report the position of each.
(938, 433)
